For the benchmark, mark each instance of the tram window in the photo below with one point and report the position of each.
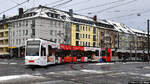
(103, 53)
(43, 51)
(50, 51)
(113, 53)
(97, 52)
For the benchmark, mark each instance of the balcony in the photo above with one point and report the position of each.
(4, 53)
(5, 45)
(2, 38)
(3, 30)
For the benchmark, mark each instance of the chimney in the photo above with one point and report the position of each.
(4, 17)
(40, 6)
(71, 12)
(20, 11)
(95, 18)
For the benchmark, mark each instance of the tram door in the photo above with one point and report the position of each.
(43, 56)
(51, 55)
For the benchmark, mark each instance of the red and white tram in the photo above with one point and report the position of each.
(41, 52)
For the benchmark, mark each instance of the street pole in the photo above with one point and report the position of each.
(148, 37)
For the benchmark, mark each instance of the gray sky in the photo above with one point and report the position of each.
(123, 11)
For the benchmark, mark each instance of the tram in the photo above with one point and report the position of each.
(42, 52)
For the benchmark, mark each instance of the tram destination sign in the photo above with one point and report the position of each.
(33, 43)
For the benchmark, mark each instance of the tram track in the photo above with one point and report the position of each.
(77, 67)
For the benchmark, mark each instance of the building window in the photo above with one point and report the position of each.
(51, 32)
(19, 41)
(86, 28)
(89, 44)
(27, 23)
(23, 41)
(19, 32)
(83, 44)
(23, 32)
(94, 37)
(86, 44)
(26, 32)
(86, 36)
(94, 30)
(77, 43)
(77, 27)
(77, 35)
(83, 35)
(83, 28)
(33, 31)
(80, 43)
(80, 35)
(16, 41)
(94, 44)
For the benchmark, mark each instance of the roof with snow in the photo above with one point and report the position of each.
(138, 31)
(57, 14)
(121, 27)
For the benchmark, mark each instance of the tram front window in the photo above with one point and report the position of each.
(32, 48)
(32, 52)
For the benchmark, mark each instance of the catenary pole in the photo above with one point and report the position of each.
(148, 37)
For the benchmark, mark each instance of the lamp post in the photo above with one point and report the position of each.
(148, 37)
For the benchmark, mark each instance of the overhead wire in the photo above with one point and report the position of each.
(146, 11)
(77, 3)
(14, 7)
(58, 5)
(14, 1)
(105, 4)
(129, 2)
(55, 2)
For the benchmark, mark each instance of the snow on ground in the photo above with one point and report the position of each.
(102, 64)
(147, 75)
(94, 71)
(20, 77)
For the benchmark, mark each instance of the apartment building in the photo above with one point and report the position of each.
(48, 24)
(3, 38)
(84, 31)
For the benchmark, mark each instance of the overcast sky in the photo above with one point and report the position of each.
(133, 13)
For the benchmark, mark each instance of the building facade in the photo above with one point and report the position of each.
(31, 24)
(3, 38)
